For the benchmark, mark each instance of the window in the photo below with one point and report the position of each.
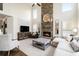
(35, 28)
(34, 13)
(66, 7)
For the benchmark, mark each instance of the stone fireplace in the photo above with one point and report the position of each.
(47, 34)
(47, 19)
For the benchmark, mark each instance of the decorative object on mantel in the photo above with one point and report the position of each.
(46, 18)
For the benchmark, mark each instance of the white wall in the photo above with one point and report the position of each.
(21, 13)
(10, 26)
(78, 18)
(78, 15)
(68, 18)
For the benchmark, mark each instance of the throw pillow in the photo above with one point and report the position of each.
(75, 45)
(68, 38)
(76, 38)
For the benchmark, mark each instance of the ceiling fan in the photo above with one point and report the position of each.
(36, 4)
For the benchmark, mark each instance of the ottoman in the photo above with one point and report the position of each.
(41, 43)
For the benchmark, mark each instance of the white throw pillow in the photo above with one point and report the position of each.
(76, 43)
(69, 38)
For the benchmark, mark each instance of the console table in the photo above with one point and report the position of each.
(23, 35)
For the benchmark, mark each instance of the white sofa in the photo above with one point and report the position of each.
(64, 48)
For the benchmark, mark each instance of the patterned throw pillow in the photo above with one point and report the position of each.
(75, 45)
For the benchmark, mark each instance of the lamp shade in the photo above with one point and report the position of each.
(75, 30)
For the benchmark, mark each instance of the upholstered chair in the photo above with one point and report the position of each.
(7, 43)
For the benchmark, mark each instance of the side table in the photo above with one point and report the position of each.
(54, 44)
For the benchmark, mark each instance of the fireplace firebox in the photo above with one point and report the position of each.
(47, 34)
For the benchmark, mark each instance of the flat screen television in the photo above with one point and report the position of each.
(24, 28)
(1, 6)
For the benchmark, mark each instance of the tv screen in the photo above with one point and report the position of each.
(1, 6)
(24, 28)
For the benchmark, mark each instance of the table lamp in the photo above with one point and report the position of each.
(75, 31)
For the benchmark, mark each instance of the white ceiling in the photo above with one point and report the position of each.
(23, 4)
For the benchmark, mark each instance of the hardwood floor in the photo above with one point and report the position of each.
(14, 52)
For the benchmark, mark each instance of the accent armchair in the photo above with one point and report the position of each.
(7, 43)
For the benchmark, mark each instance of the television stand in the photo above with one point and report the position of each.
(23, 35)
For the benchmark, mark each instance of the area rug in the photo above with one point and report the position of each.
(26, 47)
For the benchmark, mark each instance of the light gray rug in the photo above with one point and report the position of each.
(28, 49)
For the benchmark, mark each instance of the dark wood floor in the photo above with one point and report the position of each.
(14, 52)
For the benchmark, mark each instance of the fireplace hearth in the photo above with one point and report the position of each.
(47, 34)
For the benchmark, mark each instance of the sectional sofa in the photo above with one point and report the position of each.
(64, 48)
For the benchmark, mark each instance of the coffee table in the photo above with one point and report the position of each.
(41, 43)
